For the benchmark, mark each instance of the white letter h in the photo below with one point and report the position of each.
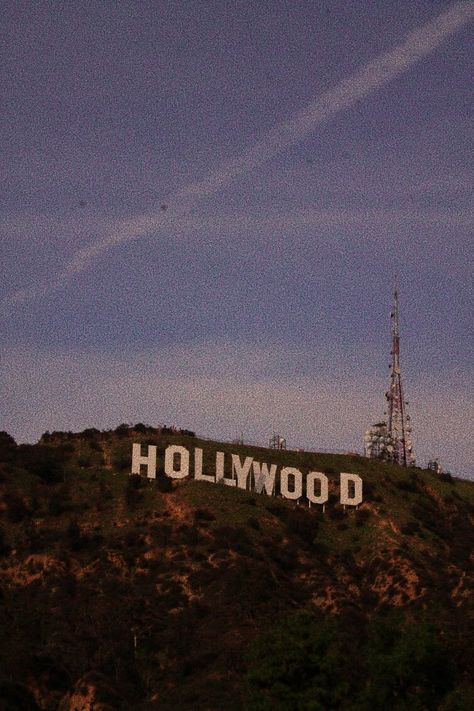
(149, 461)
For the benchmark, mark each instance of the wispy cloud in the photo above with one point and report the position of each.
(374, 75)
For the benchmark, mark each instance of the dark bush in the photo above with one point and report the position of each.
(320, 548)
(254, 523)
(4, 547)
(410, 528)
(133, 539)
(410, 485)
(133, 493)
(17, 510)
(426, 512)
(90, 433)
(122, 430)
(277, 509)
(84, 460)
(203, 515)
(362, 516)
(44, 461)
(74, 536)
(301, 523)
(57, 504)
(235, 538)
(140, 427)
(369, 488)
(16, 696)
(162, 533)
(121, 459)
(7, 446)
(164, 483)
(336, 513)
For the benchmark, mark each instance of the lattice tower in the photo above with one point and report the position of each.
(398, 425)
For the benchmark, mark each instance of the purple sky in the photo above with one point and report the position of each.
(307, 153)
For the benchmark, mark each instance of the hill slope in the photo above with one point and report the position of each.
(123, 592)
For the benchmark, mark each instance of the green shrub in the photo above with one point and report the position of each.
(408, 667)
(299, 665)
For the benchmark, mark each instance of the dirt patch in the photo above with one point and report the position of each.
(32, 568)
(326, 600)
(398, 583)
(178, 509)
(84, 698)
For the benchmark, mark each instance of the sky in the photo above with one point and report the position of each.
(206, 205)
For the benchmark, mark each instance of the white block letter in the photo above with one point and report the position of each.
(241, 470)
(183, 461)
(297, 483)
(149, 461)
(346, 497)
(198, 467)
(311, 479)
(220, 471)
(264, 479)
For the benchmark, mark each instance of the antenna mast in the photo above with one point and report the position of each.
(398, 426)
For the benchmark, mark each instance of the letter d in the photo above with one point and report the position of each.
(346, 497)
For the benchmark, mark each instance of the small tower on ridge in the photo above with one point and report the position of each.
(392, 440)
(398, 424)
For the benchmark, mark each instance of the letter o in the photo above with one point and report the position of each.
(297, 483)
(183, 470)
(323, 483)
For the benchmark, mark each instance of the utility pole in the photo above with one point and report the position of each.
(398, 425)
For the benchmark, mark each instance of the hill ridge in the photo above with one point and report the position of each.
(135, 593)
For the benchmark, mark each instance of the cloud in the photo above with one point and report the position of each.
(328, 222)
(318, 400)
(376, 74)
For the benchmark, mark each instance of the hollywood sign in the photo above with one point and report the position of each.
(249, 474)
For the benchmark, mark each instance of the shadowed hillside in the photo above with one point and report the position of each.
(120, 592)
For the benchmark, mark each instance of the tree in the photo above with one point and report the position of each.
(302, 664)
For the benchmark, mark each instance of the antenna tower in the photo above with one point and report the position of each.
(398, 426)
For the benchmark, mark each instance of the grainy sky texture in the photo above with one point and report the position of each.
(205, 206)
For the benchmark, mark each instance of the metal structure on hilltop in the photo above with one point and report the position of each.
(391, 440)
(277, 442)
(398, 423)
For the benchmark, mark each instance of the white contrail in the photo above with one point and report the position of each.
(372, 76)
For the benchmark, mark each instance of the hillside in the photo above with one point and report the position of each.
(120, 592)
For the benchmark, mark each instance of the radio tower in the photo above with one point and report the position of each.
(398, 426)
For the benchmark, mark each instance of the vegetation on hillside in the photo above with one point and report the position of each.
(130, 593)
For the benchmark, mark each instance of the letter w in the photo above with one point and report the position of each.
(264, 479)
